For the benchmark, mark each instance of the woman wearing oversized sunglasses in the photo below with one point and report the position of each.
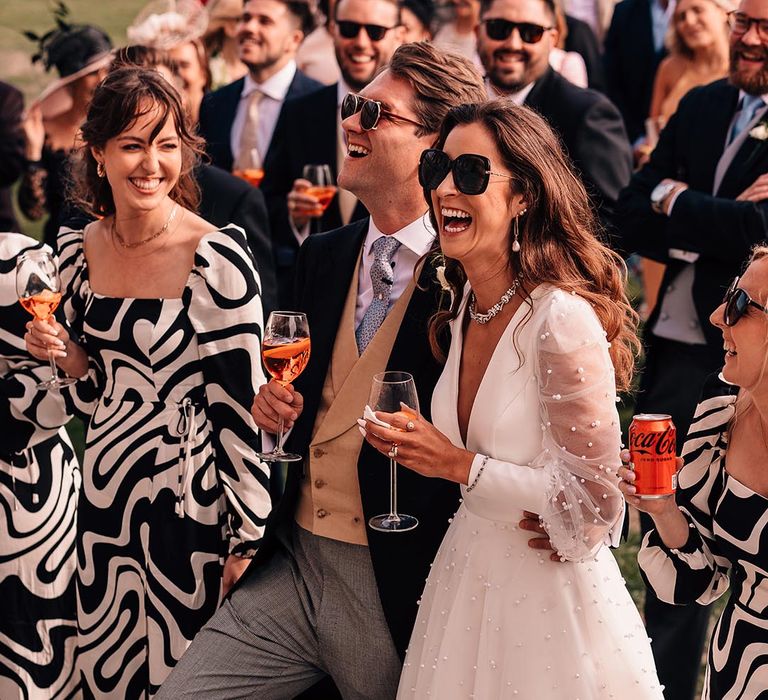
(711, 535)
(525, 420)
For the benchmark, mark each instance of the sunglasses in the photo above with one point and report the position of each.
(501, 30)
(737, 301)
(350, 30)
(471, 172)
(371, 112)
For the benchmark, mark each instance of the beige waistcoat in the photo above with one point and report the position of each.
(329, 500)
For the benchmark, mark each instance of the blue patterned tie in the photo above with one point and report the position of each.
(382, 277)
(749, 107)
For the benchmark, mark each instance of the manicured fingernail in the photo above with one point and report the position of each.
(362, 432)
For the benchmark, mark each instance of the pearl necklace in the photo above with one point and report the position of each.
(144, 241)
(482, 319)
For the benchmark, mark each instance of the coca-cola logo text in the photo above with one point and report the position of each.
(661, 443)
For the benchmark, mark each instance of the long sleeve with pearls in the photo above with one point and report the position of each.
(571, 483)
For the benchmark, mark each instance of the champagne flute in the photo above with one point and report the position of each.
(394, 392)
(38, 287)
(322, 187)
(285, 351)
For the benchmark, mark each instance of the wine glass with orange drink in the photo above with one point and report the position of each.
(285, 351)
(38, 287)
(393, 392)
(253, 175)
(322, 187)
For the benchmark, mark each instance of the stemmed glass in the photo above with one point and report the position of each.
(285, 351)
(38, 287)
(394, 392)
(322, 187)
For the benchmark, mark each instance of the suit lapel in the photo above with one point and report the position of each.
(229, 103)
(740, 170)
(333, 267)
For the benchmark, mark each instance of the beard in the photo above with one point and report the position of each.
(751, 82)
(506, 80)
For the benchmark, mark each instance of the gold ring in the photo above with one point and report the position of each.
(410, 426)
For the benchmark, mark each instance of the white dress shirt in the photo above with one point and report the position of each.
(274, 89)
(415, 239)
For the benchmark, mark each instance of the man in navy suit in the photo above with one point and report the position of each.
(11, 151)
(514, 40)
(234, 128)
(309, 131)
(698, 206)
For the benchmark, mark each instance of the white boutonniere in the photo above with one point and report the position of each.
(440, 274)
(759, 132)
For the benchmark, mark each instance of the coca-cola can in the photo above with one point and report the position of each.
(652, 455)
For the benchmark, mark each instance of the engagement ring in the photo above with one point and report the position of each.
(410, 425)
(393, 452)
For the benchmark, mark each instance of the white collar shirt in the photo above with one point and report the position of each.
(274, 89)
(415, 239)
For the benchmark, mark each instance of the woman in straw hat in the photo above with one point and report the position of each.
(81, 55)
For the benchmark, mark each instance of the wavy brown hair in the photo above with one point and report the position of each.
(560, 239)
(127, 94)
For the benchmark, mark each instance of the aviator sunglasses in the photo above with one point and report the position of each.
(471, 172)
(501, 30)
(371, 112)
(737, 301)
(350, 30)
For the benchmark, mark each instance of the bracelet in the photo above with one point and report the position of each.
(479, 474)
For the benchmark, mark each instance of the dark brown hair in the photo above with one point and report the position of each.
(126, 95)
(440, 79)
(559, 235)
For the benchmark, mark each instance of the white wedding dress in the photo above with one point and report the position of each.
(497, 618)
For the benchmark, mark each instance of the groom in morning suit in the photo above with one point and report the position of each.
(698, 206)
(325, 595)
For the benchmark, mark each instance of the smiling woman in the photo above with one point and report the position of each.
(166, 317)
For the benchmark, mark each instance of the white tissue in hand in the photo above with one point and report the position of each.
(369, 415)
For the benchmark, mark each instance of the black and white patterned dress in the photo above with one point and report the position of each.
(171, 483)
(39, 483)
(727, 546)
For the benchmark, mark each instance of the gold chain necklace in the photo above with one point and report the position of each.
(144, 241)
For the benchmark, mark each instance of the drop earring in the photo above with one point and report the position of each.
(100, 171)
(516, 241)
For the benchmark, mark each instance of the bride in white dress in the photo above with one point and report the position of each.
(525, 420)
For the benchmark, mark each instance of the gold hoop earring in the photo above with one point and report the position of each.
(100, 171)
(516, 241)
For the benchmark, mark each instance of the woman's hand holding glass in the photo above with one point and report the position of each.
(420, 446)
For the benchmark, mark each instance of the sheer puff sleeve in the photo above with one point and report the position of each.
(224, 306)
(572, 482)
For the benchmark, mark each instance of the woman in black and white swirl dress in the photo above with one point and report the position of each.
(167, 317)
(39, 483)
(714, 534)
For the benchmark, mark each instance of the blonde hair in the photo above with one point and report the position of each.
(674, 42)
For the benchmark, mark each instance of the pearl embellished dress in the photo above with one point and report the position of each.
(497, 618)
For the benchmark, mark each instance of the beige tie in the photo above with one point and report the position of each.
(347, 201)
(249, 156)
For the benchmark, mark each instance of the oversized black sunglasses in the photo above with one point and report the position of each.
(501, 29)
(371, 112)
(349, 30)
(737, 301)
(471, 172)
